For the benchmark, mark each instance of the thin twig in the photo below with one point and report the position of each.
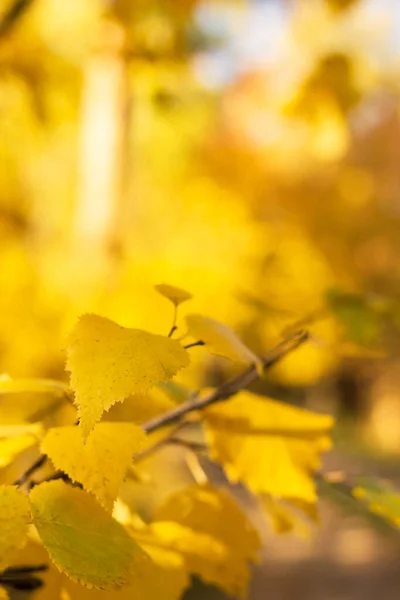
(174, 326)
(193, 344)
(188, 445)
(12, 15)
(229, 388)
(159, 444)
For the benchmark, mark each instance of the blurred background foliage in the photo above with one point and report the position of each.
(244, 150)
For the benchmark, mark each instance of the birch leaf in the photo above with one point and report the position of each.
(164, 578)
(141, 407)
(174, 294)
(220, 339)
(16, 438)
(109, 362)
(101, 463)
(290, 517)
(10, 448)
(219, 543)
(18, 386)
(82, 539)
(271, 447)
(14, 520)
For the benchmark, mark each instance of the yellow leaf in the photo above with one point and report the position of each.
(35, 398)
(101, 463)
(141, 407)
(10, 431)
(15, 408)
(15, 439)
(167, 579)
(200, 552)
(14, 520)
(164, 578)
(109, 362)
(176, 295)
(220, 339)
(18, 386)
(307, 509)
(212, 534)
(271, 447)
(3, 594)
(82, 539)
(286, 518)
(12, 447)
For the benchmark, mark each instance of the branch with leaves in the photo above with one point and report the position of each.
(271, 448)
(196, 403)
(231, 387)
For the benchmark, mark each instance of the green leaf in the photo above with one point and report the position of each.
(381, 498)
(82, 539)
(357, 316)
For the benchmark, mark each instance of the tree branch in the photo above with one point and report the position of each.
(225, 391)
(231, 387)
(12, 15)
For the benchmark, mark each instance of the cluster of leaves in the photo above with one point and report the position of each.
(76, 512)
(271, 448)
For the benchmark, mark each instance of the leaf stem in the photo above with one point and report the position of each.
(174, 326)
